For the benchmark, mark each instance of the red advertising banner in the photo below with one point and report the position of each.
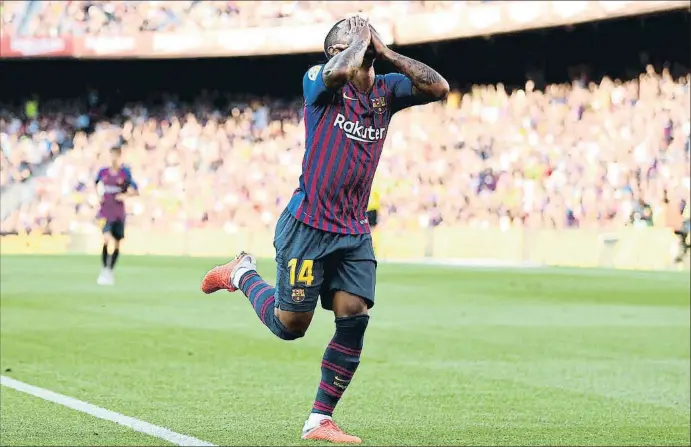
(35, 47)
(105, 47)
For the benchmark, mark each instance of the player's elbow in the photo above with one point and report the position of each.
(440, 90)
(435, 91)
(336, 77)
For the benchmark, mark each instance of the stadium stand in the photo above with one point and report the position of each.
(52, 18)
(569, 156)
(601, 154)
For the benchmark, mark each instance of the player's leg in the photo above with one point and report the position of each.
(104, 253)
(681, 244)
(684, 245)
(286, 309)
(103, 278)
(352, 295)
(117, 232)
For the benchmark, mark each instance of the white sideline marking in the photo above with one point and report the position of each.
(102, 413)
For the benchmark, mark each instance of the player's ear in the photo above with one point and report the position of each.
(336, 48)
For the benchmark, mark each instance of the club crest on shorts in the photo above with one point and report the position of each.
(379, 104)
(298, 295)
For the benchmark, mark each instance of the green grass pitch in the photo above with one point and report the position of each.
(452, 357)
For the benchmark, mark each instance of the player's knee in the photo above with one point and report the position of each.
(355, 325)
(348, 305)
(295, 323)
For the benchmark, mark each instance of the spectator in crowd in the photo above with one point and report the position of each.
(31, 134)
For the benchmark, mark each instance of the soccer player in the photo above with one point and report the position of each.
(684, 233)
(322, 240)
(117, 186)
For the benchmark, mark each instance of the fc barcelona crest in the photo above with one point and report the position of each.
(298, 295)
(379, 104)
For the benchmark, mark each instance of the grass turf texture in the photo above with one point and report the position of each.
(452, 356)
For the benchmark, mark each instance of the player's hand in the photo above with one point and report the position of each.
(358, 30)
(378, 44)
(120, 197)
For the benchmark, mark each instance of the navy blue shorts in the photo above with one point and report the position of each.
(116, 228)
(312, 263)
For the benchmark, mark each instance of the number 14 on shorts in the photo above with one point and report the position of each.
(303, 270)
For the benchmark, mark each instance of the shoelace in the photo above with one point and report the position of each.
(331, 424)
(331, 427)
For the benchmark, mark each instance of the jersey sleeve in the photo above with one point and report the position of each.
(401, 88)
(313, 87)
(129, 180)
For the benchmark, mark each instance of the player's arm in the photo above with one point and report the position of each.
(344, 66)
(132, 187)
(321, 82)
(426, 85)
(97, 180)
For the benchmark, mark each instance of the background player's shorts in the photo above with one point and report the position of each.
(372, 218)
(314, 263)
(116, 228)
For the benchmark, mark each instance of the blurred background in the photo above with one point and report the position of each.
(565, 140)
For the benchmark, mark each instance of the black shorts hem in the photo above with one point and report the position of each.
(116, 228)
(327, 302)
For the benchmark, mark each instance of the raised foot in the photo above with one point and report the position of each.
(328, 431)
(220, 277)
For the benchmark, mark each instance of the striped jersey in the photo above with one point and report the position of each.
(114, 183)
(345, 131)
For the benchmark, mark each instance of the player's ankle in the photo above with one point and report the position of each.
(238, 274)
(314, 420)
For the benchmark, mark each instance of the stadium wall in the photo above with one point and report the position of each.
(629, 248)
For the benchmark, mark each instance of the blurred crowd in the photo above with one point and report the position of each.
(91, 17)
(29, 139)
(588, 155)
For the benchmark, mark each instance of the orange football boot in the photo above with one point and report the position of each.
(330, 432)
(220, 277)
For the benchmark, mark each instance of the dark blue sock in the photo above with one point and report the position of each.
(262, 298)
(340, 362)
(114, 258)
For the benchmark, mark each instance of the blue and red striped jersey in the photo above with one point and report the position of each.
(345, 132)
(114, 182)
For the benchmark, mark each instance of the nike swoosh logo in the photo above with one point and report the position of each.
(348, 97)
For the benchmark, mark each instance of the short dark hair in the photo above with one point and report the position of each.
(331, 37)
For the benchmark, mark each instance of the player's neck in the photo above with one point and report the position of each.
(364, 79)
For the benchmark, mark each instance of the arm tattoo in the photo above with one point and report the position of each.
(421, 74)
(347, 61)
